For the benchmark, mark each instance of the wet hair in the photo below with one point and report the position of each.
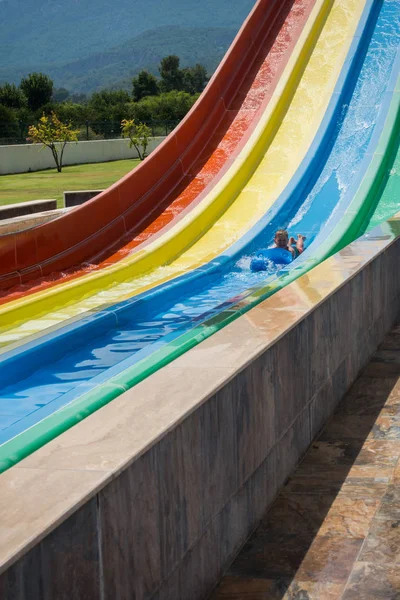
(282, 234)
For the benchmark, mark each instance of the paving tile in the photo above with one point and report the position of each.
(378, 453)
(385, 355)
(386, 427)
(349, 517)
(314, 590)
(269, 554)
(326, 515)
(368, 396)
(235, 588)
(243, 588)
(349, 426)
(390, 505)
(335, 452)
(329, 452)
(396, 474)
(318, 479)
(329, 559)
(381, 367)
(363, 488)
(383, 542)
(372, 582)
(392, 340)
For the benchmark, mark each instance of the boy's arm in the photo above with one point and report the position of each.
(300, 243)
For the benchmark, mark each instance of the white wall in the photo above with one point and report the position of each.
(22, 158)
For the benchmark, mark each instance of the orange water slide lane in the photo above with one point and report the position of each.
(177, 176)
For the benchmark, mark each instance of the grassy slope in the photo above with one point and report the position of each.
(50, 184)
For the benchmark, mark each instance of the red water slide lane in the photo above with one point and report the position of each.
(178, 173)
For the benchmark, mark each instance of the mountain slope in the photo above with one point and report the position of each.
(206, 46)
(117, 66)
(53, 32)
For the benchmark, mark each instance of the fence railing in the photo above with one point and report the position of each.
(17, 132)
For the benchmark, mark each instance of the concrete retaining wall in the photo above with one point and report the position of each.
(30, 157)
(175, 474)
(26, 222)
(77, 197)
(19, 209)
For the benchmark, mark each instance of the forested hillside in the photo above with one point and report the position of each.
(115, 67)
(90, 43)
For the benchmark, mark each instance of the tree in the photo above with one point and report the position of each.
(194, 79)
(138, 134)
(171, 75)
(8, 123)
(60, 94)
(106, 109)
(12, 96)
(78, 98)
(170, 107)
(68, 112)
(53, 134)
(145, 84)
(38, 89)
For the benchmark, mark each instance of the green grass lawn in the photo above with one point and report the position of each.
(50, 184)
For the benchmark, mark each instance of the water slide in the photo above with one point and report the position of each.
(248, 188)
(346, 171)
(180, 171)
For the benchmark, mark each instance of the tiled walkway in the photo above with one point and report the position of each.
(334, 531)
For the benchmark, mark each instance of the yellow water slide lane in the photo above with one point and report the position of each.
(260, 173)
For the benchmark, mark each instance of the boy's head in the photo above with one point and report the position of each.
(281, 238)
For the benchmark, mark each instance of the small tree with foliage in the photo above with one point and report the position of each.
(138, 134)
(53, 134)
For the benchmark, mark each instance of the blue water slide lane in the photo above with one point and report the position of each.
(32, 391)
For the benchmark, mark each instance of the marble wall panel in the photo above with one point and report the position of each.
(198, 571)
(318, 324)
(343, 378)
(291, 376)
(321, 407)
(390, 259)
(255, 409)
(199, 471)
(64, 565)
(129, 522)
(203, 565)
(291, 447)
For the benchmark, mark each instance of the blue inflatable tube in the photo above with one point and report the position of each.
(279, 256)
